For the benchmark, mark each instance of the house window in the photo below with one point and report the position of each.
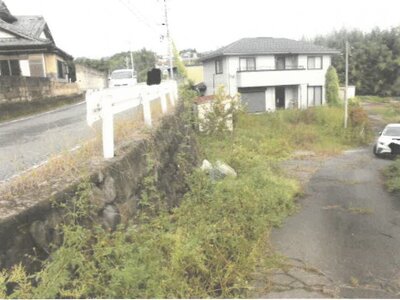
(247, 64)
(4, 68)
(280, 62)
(314, 62)
(218, 66)
(314, 95)
(286, 62)
(15, 68)
(61, 69)
(36, 66)
(10, 68)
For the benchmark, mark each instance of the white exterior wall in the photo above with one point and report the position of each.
(351, 92)
(233, 66)
(212, 80)
(270, 99)
(303, 96)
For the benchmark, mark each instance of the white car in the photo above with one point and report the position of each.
(123, 77)
(388, 141)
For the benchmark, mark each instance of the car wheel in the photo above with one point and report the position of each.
(374, 151)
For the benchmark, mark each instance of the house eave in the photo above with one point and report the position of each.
(34, 49)
(217, 55)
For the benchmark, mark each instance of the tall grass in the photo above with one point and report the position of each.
(392, 174)
(274, 136)
(209, 245)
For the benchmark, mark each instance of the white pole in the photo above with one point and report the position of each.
(130, 50)
(146, 112)
(171, 96)
(108, 127)
(163, 99)
(346, 102)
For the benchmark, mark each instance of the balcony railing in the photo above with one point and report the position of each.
(287, 68)
(272, 77)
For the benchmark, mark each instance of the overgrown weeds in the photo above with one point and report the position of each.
(392, 174)
(210, 245)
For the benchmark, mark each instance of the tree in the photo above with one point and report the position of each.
(143, 61)
(178, 62)
(374, 65)
(332, 86)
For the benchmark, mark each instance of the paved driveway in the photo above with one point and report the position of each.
(345, 239)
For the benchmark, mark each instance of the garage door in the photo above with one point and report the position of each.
(254, 101)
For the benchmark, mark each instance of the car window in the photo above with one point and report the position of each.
(391, 131)
(121, 75)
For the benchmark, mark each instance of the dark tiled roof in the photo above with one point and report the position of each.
(32, 26)
(28, 27)
(28, 32)
(268, 45)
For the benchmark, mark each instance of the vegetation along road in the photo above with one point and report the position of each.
(30, 141)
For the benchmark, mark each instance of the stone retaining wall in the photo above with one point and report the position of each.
(28, 225)
(26, 89)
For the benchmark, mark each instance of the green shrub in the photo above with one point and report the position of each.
(332, 86)
(218, 119)
(392, 174)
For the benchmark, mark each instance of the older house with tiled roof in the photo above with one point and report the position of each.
(27, 48)
(269, 73)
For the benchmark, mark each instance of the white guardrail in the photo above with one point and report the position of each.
(104, 104)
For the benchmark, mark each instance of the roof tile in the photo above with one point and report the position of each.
(269, 45)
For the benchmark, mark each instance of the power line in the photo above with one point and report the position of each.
(139, 16)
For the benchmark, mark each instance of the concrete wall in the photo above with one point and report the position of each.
(90, 79)
(351, 92)
(28, 225)
(20, 89)
(195, 73)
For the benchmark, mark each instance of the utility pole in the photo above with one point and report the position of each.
(171, 67)
(346, 104)
(132, 67)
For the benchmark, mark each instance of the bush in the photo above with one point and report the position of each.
(332, 86)
(218, 119)
(392, 174)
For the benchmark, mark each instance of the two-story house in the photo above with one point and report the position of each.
(269, 73)
(27, 48)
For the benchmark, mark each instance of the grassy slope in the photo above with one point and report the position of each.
(210, 245)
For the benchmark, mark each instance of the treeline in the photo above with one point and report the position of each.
(143, 61)
(374, 62)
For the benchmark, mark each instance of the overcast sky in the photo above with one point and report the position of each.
(97, 28)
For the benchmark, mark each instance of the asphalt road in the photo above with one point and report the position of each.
(347, 228)
(27, 142)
